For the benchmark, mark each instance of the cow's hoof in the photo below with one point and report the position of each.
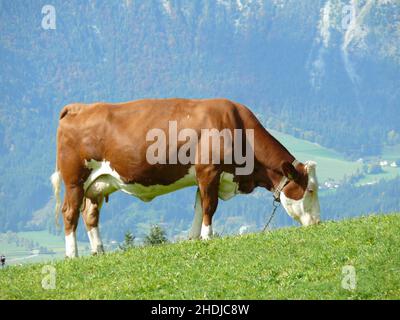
(96, 253)
(69, 258)
(99, 250)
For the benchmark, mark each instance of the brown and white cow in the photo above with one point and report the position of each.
(104, 147)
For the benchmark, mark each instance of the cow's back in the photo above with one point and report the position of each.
(117, 132)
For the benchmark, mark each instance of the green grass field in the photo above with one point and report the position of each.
(389, 173)
(331, 164)
(20, 255)
(291, 263)
(391, 152)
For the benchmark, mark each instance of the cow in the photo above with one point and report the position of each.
(106, 147)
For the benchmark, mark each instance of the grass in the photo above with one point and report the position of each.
(290, 263)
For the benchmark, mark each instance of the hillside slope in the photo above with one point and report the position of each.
(294, 263)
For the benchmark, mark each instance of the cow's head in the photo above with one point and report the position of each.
(300, 196)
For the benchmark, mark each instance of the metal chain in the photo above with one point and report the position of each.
(275, 205)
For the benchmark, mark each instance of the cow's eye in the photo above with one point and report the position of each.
(310, 191)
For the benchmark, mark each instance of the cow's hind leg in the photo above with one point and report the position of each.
(72, 203)
(198, 218)
(91, 214)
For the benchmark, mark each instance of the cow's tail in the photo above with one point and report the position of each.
(56, 182)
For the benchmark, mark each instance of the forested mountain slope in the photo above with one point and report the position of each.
(326, 71)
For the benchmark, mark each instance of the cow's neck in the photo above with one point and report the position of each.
(270, 154)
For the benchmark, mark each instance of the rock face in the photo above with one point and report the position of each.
(327, 71)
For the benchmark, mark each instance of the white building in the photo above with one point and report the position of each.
(384, 163)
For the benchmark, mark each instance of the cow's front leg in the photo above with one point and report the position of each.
(71, 207)
(195, 231)
(208, 179)
(91, 214)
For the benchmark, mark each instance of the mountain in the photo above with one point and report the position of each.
(326, 71)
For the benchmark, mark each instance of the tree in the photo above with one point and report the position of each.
(128, 241)
(156, 236)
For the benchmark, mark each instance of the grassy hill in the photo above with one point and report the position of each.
(294, 263)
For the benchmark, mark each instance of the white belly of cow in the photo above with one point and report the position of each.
(103, 180)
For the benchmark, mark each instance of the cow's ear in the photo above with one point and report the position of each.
(289, 171)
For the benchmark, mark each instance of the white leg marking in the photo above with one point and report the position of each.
(198, 218)
(206, 232)
(71, 246)
(95, 241)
